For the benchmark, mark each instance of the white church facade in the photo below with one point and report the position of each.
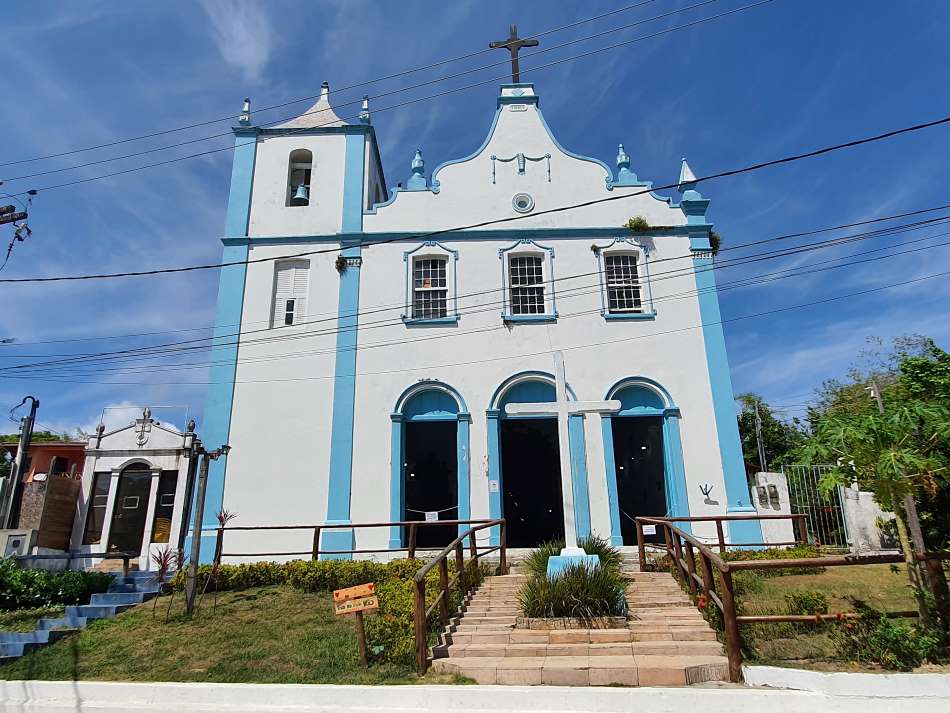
(368, 341)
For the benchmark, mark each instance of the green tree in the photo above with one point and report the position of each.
(901, 452)
(780, 438)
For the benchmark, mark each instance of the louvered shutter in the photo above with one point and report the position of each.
(292, 282)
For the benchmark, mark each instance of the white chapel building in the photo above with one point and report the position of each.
(369, 338)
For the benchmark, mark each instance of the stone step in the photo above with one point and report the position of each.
(118, 598)
(628, 670)
(69, 623)
(683, 634)
(93, 611)
(653, 603)
(661, 648)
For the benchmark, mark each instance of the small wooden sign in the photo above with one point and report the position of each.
(351, 606)
(357, 592)
(356, 600)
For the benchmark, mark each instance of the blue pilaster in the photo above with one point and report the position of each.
(613, 503)
(464, 469)
(727, 427)
(575, 431)
(344, 383)
(216, 429)
(397, 493)
(677, 500)
(493, 427)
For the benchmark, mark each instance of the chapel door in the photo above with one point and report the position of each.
(431, 479)
(639, 462)
(130, 510)
(531, 478)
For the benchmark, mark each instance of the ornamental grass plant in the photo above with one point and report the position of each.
(578, 592)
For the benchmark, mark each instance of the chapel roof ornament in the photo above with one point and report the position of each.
(320, 115)
(625, 177)
(417, 179)
(687, 177)
(513, 44)
(245, 118)
(364, 110)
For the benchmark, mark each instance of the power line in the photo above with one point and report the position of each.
(401, 305)
(437, 95)
(521, 356)
(747, 282)
(311, 97)
(509, 219)
(377, 96)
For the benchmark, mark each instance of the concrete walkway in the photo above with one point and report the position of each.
(55, 697)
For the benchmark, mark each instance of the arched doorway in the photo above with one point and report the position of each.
(524, 464)
(644, 459)
(430, 463)
(131, 509)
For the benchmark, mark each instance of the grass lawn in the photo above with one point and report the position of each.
(809, 645)
(263, 635)
(25, 619)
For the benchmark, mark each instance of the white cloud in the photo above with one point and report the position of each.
(243, 33)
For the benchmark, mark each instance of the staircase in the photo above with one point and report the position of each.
(124, 593)
(666, 641)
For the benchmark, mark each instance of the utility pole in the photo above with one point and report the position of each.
(932, 575)
(13, 487)
(191, 582)
(758, 439)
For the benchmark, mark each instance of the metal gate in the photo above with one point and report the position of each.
(824, 514)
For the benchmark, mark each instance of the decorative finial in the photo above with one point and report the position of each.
(417, 180)
(245, 117)
(146, 413)
(364, 110)
(325, 92)
(190, 426)
(623, 161)
(687, 177)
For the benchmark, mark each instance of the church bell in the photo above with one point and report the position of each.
(302, 195)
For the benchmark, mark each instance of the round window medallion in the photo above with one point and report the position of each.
(522, 202)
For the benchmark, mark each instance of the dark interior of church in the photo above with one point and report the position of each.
(431, 479)
(531, 481)
(638, 455)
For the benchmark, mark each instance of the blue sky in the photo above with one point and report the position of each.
(782, 78)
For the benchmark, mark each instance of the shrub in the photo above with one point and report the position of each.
(873, 638)
(578, 591)
(638, 223)
(777, 553)
(34, 588)
(806, 602)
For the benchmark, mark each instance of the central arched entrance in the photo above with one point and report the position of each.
(430, 463)
(525, 471)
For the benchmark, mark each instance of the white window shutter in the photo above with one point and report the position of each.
(291, 282)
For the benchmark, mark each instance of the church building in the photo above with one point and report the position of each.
(375, 346)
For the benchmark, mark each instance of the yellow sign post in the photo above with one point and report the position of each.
(356, 600)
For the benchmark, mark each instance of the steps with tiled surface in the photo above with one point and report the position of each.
(666, 641)
(124, 593)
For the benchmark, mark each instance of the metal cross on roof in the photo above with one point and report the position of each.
(513, 44)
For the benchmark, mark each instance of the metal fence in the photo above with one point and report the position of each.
(824, 514)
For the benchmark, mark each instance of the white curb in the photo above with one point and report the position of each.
(58, 696)
(873, 685)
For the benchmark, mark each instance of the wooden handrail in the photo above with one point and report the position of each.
(677, 541)
(455, 548)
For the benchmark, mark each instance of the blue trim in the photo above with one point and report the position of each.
(208, 543)
(427, 385)
(629, 316)
(493, 429)
(677, 500)
(529, 375)
(431, 321)
(578, 446)
(613, 502)
(216, 429)
(397, 494)
(491, 130)
(370, 239)
(641, 381)
(463, 469)
(453, 288)
(348, 129)
(344, 383)
(727, 428)
(547, 318)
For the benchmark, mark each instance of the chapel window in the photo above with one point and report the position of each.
(164, 506)
(96, 513)
(291, 283)
(298, 183)
(526, 284)
(430, 288)
(623, 284)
